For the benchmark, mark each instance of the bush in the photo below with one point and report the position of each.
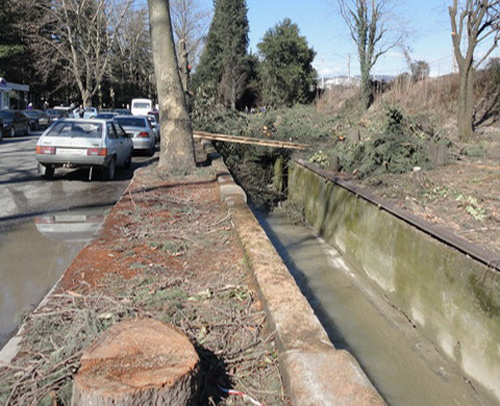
(402, 146)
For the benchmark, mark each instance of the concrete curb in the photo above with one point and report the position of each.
(314, 372)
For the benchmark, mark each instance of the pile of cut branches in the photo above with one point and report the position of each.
(221, 321)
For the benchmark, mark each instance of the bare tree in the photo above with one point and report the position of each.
(474, 22)
(78, 36)
(190, 22)
(177, 148)
(375, 30)
(132, 71)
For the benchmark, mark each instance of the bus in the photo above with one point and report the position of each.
(141, 107)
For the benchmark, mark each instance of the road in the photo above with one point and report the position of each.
(44, 224)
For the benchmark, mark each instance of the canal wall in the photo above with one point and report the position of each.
(314, 372)
(448, 289)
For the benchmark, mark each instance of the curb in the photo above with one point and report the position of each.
(315, 373)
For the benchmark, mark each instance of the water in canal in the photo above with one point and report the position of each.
(33, 256)
(404, 367)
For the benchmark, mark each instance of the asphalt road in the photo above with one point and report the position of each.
(23, 193)
(44, 224)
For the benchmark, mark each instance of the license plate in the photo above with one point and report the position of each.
(70, 218)
(71, 151)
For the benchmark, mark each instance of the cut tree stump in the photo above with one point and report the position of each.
(138, 362)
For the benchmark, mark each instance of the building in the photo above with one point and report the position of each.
(13, 95)
(341, 81)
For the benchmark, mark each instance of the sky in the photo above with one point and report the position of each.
(426, 21)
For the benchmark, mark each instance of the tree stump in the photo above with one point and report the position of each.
(138, 362)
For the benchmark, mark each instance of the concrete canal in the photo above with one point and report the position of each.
(419, 310)
(404, 366)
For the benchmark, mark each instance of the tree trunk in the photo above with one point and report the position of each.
(365, 86)
(465, 108)
(138, 362)
(177, 147)
(86, 98)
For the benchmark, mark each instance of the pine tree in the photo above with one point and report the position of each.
(286, 72)
(11, 47)
(223, 68)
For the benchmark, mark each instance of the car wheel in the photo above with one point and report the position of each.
(109, 170)
(128, 160)
(47, 171)
(12, 132)
(28, 129)
(1, 134)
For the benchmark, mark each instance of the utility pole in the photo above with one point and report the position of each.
(349, 68)
(322, 73)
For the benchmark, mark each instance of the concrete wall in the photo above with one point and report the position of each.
(453, 299)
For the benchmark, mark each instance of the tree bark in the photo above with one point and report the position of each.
(177, 147)
(138, 362)
(465, 107)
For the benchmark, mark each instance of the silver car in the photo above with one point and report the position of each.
(140, 129)
(81, 143)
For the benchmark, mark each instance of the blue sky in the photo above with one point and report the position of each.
(325, 31)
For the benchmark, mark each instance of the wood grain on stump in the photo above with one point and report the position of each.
(138, 362)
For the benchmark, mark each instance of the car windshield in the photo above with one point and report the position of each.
(131, 121)
(141, 105)
(6, 114)
(76, 129)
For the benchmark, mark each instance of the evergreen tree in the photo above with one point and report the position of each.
(12, 49)
(223, 68)
(286, 72)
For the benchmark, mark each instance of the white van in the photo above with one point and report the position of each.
(141, 107)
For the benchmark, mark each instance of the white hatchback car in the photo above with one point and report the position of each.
(81, 143)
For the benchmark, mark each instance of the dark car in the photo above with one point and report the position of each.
(15, 123)
(38, 119)
(106, 115)
(122, 112)
(56, 114)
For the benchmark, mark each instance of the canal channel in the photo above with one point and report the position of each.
(405, 368)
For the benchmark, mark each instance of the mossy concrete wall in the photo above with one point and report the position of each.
(451, 298)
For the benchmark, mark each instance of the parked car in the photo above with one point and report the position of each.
(1, 129)
(106, 115)
(89, 112)
(154, 118)
(56, 114)
(122, 112)
(140, 129)
(15, 123)
(82, 143)
(38, 119)
(67, 111)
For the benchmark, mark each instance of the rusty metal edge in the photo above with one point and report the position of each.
(474, 251)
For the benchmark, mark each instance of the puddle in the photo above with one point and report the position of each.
(34, 255)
